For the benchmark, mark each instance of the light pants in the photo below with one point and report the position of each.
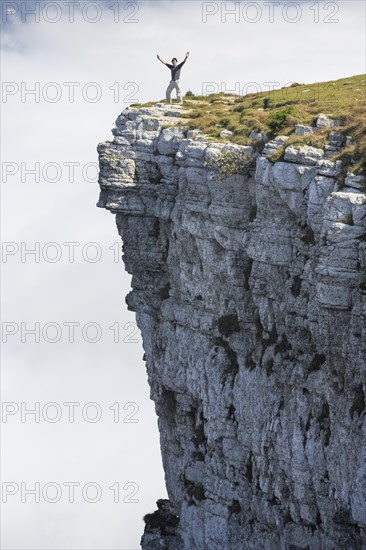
(174, 84)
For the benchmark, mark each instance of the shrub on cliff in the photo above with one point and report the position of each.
(228, 162)
(277, 119)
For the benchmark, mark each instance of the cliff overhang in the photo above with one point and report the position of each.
(249, 290)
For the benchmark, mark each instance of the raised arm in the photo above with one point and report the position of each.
(163, 62)
(185, 59)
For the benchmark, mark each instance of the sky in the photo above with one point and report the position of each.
(71, 350)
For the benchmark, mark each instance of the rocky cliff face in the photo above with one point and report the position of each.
(250, 296)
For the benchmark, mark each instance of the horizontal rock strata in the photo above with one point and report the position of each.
(250, 294)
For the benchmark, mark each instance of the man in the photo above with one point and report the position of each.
(175, 77)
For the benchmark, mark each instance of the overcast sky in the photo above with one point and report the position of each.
(86, 66)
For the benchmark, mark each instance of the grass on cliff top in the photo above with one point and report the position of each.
(343, 99)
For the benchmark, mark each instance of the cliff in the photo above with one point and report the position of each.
(249, 291)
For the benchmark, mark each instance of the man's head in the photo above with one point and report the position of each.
(174, 61)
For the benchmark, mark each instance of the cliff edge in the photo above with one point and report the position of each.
(250, 293)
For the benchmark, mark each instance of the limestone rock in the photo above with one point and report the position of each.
(356, 182)
(328, 168)
(274, 144)
(226, 134)
(250, 294)
(258, 136)
(302, 130)
(338, 139)
(304, 154)
(161, 528)
(324, 121)
(193, 133)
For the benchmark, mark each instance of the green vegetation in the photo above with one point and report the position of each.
(161, 521)
(343, 99)
(277, 120)
(227, 163)
(189, 94)
(148, 104)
